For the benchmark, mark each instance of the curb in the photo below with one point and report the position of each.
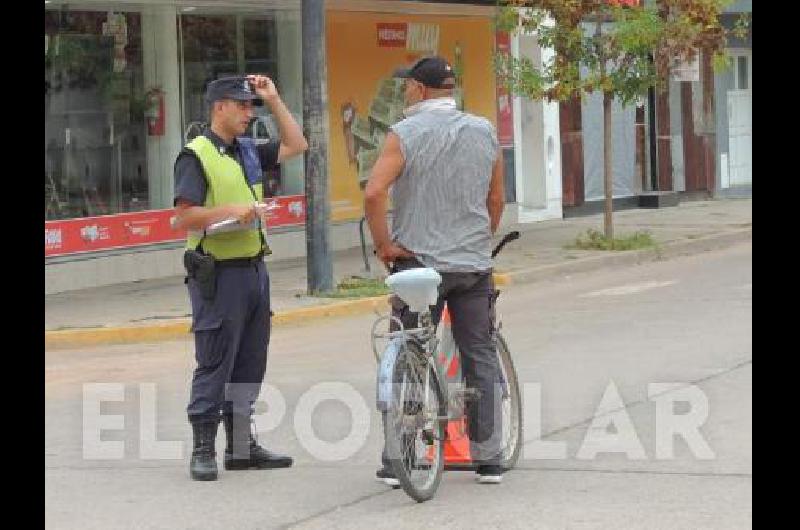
(179, 328)
(668, 250)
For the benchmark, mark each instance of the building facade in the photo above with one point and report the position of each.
(124, 85)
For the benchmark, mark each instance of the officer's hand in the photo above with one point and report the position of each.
(390, 252)
(245, 213)
(264, 87)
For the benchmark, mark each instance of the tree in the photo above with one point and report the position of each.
(618, 47)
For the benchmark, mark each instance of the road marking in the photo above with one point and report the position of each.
(631, 288)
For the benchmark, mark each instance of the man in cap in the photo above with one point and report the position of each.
(445, 170)
(219, 175)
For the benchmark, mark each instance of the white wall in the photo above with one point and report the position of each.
(537, 146)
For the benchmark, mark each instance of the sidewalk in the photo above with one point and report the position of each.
(159, 309)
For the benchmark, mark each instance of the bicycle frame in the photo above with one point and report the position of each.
(424, 336)
(442, 353)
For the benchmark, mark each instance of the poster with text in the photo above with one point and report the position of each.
(364, 100)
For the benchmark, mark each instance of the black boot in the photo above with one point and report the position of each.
(204, 463)
(254, 456)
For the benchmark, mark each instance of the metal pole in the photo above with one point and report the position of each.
(315, 121)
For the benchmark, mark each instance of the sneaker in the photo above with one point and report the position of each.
(490, 474)
(386, 476)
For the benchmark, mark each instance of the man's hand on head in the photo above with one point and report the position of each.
(263, 87)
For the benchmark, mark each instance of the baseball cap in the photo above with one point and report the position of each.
(236, 87)
(432, 71)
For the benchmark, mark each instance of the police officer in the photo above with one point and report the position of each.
(218, 175)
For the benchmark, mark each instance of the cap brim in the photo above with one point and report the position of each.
(257, 101)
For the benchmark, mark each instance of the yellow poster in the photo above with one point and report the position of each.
(364, 100)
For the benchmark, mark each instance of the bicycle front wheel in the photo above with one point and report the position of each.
(415, 421)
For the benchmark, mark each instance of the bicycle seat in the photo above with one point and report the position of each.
(416, 287)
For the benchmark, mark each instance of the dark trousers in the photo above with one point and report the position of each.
(470, 301)
(231, 334)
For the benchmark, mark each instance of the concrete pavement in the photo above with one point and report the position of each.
(687, 321)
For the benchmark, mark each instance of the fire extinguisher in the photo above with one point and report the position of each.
(154, 112)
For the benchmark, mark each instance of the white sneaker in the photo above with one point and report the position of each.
(490, 479)
(387, 477)
(490, 475)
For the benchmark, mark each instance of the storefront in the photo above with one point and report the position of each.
(124, 86)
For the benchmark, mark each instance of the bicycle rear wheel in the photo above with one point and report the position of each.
(511, 406)
(415, 421)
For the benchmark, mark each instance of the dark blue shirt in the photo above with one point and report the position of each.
(190, 182)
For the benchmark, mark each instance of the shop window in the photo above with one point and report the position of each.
(742, 73)
(95, 159)
(218, 45)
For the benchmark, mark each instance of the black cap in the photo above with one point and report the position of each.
(432, 71)
(237, 87)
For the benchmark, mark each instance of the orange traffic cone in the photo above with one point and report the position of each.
(456, 447)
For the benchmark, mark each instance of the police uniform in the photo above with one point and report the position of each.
(232, 326)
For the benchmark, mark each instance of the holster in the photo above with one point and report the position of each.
(201, 268)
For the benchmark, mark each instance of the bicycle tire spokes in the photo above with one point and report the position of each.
(414, 423)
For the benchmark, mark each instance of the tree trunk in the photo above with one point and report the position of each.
(607, 172)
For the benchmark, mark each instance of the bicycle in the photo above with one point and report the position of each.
(424, 401)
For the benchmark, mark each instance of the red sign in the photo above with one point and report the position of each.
(505, 109)
(87, 234)
(287, 210)
(392, 34)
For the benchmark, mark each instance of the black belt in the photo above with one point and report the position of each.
(241, 262)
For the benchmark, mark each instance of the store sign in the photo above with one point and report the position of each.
(288, 210)
(53, 238)
(125, 230)
(365, 100)
(505, 109)
(392, 35)
(413, 36)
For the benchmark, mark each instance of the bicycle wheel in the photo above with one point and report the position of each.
(415, 425)
(511, 406)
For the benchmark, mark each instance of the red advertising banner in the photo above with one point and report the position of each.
(392, 34)
(87, 234)
(287, 210)
(505, 109)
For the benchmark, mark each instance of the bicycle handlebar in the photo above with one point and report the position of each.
(509, 237)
